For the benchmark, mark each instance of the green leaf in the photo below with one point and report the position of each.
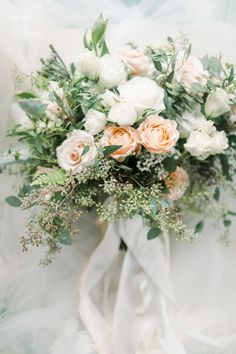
(157, 65)
(26, 95)
(170, 76)
(232, 140)
(227, 223)
(199, 227)
(216, 194)
(85, 150)
(170, 40)
(188, 52)
(153, 233)
(13, 201)
(65, 237)
(72, 68)
(25, 189)
(165, 203)
(167, 103)
(225, 166)
(50, 178)
(33, 107)
(233, 213)
(39, 146)
(104, 49)
(169, 164)
(80, 125)
(108, 150)
(97, 163)
(99, 29)
(154, 206)
(205, 62)
(87, 43)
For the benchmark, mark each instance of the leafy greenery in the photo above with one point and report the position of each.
(138, 184)
(13, 201)
(153, 233)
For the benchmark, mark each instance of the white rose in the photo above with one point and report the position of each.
(142, 93)
(199, 144)
(70, 153)
(113, 71)
(190, 121)
(95, 121)
(202, 144)
(109, 98)
(220, 142)
(217, 103)
(89, 64)
(123, 114)
(190, 71)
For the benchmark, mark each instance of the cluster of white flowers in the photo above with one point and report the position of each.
(110, 70)
(203, 139)
(135, 96)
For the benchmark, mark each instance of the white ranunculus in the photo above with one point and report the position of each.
(109, 98)
(199, 144)
(122, 114)
(190, 121)
(89, 64)
(217, 103)
(113, 71)
(190, 71)
(95, 121)
(70, 153)
(142, 93)
(202, 144)
(220, 142)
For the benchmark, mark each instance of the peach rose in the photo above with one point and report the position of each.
(158, 135)
(177, 182)
(136, 61)
(125, 136)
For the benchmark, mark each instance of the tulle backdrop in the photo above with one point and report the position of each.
(38, 307)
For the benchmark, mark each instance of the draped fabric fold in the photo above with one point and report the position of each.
(143, 311)
(137, 311)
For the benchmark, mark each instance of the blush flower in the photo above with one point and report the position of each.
(190, 71)
(126, 137)
(177, 182)
(158, 135)
(71, 154)
(137, 62)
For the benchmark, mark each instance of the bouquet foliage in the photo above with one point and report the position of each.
(147, 131)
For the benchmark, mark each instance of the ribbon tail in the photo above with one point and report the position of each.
(99, 263)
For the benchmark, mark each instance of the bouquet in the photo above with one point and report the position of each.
(148, 131)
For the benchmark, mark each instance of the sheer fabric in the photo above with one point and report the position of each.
(38, 306)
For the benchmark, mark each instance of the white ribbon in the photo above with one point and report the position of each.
(136, 310)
